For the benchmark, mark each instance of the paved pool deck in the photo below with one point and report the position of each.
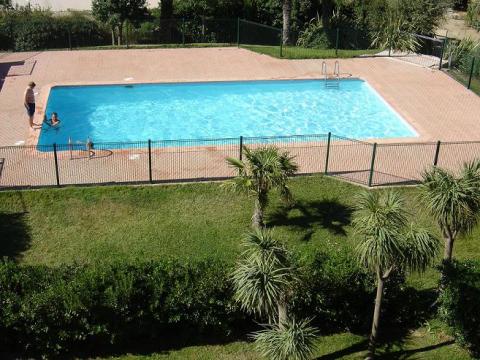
(435, 105)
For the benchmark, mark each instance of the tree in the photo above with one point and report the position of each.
(265, 168)
(453, 201)
(287, 13)
(388, 244)
(263, 282)
(394, 32)
(117, 12)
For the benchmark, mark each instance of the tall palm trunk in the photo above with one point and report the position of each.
(287, 11)
(448, 251)
(376, 317)
(282, 311)
(258, 213)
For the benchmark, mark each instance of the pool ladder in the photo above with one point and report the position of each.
(332, 81)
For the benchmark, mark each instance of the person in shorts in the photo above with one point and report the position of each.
(29, 102)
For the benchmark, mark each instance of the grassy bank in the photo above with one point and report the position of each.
(295, 52)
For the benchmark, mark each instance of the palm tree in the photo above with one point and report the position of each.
(453, 201)
(263, 282)
(295, 340)
(388, 244)
(286, 12)
(264, 276)
(265, 168)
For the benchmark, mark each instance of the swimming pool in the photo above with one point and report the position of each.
(123, 113)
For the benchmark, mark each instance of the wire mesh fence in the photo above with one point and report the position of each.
(466, 70)
(360, 162)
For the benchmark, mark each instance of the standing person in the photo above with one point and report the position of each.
(29, 102)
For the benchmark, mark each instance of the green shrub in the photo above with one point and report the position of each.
(33, 29)
(315, 36)
(460, 303)
(71, 309)
(51, 311)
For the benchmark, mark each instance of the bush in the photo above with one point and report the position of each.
(33, 29)
(315, 36)
(51, 311)
(74, 309)
(460, 305)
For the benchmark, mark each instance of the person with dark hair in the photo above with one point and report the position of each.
(54, 121)
(29, 102)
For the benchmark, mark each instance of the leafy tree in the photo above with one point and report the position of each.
(388, 244)
(453, 201)
(264, 169)
(6, 4)
(117, 12)
(263, 282)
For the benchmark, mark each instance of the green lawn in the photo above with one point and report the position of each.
(420, 344)
(196, 221)
(53, 226)
(296, 52)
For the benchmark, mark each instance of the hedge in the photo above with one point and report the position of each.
(460, 303)
(25, 30)
(81, 309)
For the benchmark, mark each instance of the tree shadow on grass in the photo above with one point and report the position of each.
(14, 235)
(329, 214)
(407, 354)
(360, 346)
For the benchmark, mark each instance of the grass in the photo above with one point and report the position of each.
(196, 221)
(463, 78)
(420, 344)
(296, 52)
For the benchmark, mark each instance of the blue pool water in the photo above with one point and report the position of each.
(120, 113)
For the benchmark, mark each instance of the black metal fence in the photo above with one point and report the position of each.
(365, 163)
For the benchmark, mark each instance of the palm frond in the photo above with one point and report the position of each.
(292, 340)
(420, 249)
(379, 220)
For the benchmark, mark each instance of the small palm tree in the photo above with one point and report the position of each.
(388, 244)
(394, 33)
(264, 168)
(263, 282)
(294, 340)
(453, 201)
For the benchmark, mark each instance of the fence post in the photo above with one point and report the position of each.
(281, 43)
(183, 31)
(437, 152)
(150, 161)
(70, 40)
(443, 52)
(241, 148)
(337, 41)
(328, 152)
(471, 73)
(372, 165)
(56, 163)
(238, 32)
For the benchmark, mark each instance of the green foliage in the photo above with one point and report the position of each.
(263, 275)
(294, 340)
(314, 36)
(460, 53)
(33, 29)
(387, 242)
(57, 310)
(394, 32)
(473, 14)
(453, 201)
(459, 303)
(263, 170)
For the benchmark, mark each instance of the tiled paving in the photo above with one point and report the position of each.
(437, 107)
